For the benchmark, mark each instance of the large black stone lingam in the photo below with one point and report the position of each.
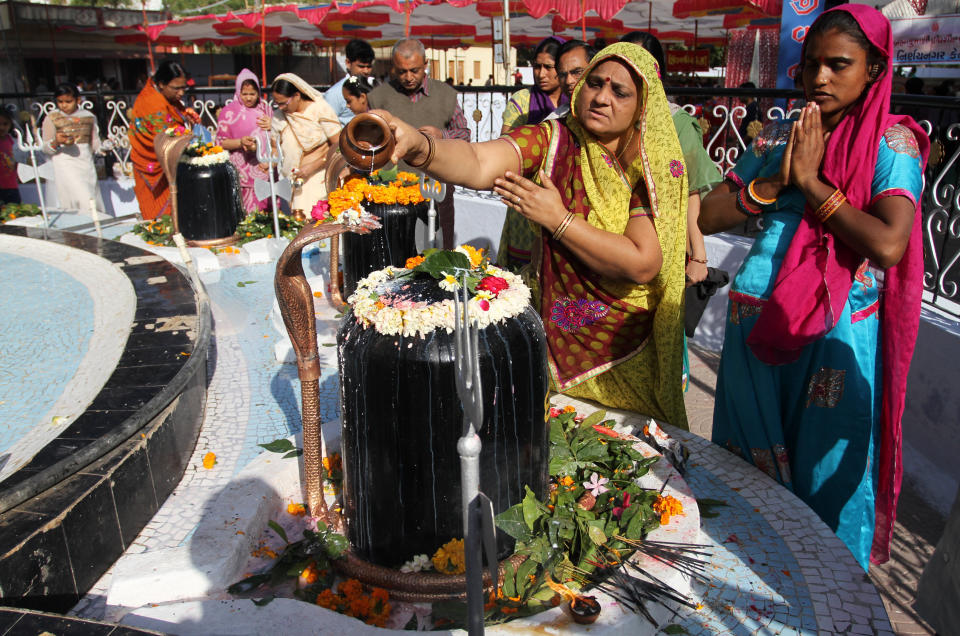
(208, 201)
(392, 244)
(401, 419)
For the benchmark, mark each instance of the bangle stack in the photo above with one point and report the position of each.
(756, 198)
(831, 205)
(744, 206)
(431, 150)
(564, 224)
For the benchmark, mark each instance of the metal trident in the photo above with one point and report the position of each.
(265, 155)
(477, 509)
(31, 145)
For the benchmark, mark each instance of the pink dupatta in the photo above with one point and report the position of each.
(794, 317)
(236, 121)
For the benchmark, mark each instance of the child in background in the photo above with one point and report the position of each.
(9, 192)
(70, 137)
(355, 91)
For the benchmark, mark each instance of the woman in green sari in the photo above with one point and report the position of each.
(605, 190)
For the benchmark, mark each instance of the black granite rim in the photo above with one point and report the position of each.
(154, 369)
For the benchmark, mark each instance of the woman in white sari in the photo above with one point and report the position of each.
(71, 138)
(307, 126)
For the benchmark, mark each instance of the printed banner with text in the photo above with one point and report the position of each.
(931, 39)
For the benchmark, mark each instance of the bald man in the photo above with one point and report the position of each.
(425, 103)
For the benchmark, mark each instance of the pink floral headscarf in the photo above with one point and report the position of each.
(794, 317)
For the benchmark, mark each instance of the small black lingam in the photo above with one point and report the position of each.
(401, 417)
(391, 244)
(208, 202)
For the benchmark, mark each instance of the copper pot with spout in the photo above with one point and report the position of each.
(367, 142)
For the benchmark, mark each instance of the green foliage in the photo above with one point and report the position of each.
(255, 226)
(12, 211)
(562, 538)
(282, 445)
(318, 548)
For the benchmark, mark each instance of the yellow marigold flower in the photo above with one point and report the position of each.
(476, 256)
(296, 509)
(331, 462)
(318, 294)
(209, 460)
(567, 480)
(569, 409)
(448, 559)
(413, 261)
(667, 507)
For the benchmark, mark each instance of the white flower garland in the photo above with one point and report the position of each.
(207, 160)
(375, 303)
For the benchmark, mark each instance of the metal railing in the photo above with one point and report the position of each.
(719, 111)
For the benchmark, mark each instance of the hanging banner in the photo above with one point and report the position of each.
(931, 39)
(797, 17)
(689, 61)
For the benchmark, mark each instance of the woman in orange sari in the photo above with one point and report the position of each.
(157, 108)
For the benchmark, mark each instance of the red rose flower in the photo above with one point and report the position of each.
(493, 284)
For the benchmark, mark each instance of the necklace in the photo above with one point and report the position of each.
(621, 151)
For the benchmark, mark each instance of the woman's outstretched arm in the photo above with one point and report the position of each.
(454, 161)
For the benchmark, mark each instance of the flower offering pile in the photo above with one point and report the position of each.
(415, 300)
(348, 203)
(200, 153)
(576, 541)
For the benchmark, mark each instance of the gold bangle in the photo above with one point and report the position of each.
(558, 233)
(431, 149)
(830, 205)
(702, 261)
(756, 198)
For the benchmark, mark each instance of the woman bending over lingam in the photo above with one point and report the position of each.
(824, 310)
(608, 206)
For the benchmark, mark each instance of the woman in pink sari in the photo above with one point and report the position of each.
(237, 128)
(824, 310)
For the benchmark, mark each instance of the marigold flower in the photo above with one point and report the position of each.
(327, 599)
(209, 460)
(569, 409)
(449, 559)
(296, 509)
(379, 594)
(567, 480)
(350, 588)
(413, 261)
(667, 507)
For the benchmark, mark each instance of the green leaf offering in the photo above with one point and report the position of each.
(282, 445)
(280, 531)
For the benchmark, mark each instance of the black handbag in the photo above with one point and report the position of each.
(699, 294)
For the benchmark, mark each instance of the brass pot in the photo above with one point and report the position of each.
(367, 142)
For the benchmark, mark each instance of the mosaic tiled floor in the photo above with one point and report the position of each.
(776, 569)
